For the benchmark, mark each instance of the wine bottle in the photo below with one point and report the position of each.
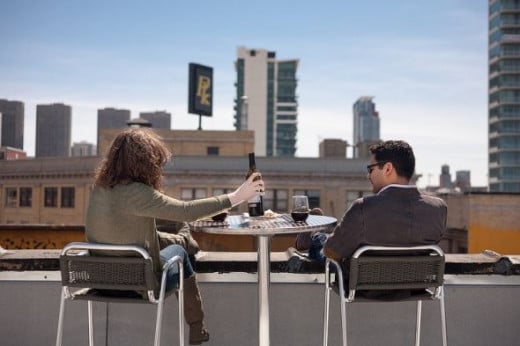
(255, 204)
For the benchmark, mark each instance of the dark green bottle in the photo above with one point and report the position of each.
(256, 204)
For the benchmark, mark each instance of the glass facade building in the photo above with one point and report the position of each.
(366, 123)
(504, 96)
(266, 101)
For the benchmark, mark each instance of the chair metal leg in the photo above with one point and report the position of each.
(418, 324)
(443, 319)
(90, 324)
(344, 320)
(326, 314)
(181, 312)
(59, 334)
(158, 322)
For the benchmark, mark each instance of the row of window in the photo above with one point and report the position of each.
(274, 199)
(506, 110)
(22, 197)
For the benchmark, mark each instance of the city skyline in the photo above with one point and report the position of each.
(424, 63)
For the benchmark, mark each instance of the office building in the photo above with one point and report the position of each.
(8, 153)
(504, 96)
(336, 148)
(159, 119)
(266, 101)
(463, 180)
(111, 118)
(366, 126)
(83, 148)
(11, 124)
(53, 130)
(445, 178)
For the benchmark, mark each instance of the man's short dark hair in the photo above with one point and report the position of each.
(399, 153)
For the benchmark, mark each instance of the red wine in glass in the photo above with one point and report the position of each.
(299, 216)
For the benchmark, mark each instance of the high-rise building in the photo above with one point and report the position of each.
(83, 148)
(266, 101)
(11, 124)
(463, 180)
(366, 125)
(445, 178)
(504, 96)
(53, 127)
(111, 118)
(159, 119)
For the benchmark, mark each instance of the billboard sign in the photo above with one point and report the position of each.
(200, 93)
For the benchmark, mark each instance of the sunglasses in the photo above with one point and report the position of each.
(380, 164)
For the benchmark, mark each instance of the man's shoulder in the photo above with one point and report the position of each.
(432, 199)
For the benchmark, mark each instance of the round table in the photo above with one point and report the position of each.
(264, 228)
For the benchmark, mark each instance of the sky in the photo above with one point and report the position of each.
(423, 61)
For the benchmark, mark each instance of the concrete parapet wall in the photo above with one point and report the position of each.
(481, 310)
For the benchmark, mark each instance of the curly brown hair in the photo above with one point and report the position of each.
(136, 155)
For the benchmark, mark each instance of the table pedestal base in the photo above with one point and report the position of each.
(264, 268)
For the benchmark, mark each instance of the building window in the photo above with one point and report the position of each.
(313, 195)
(212, 150)
(276, 200)
(25, 197)
(11, 195)
(188, 194)
(67, 197)
(50, 197)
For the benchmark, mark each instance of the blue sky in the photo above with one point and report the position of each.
(424, 62)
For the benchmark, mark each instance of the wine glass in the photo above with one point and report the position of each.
(300, 209)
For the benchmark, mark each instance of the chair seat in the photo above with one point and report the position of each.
(398, 295)
(113, 296)
(392, 296)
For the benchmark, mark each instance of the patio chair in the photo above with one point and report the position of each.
(126, 277)
(376, 269)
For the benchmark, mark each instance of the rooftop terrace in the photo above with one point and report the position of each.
(482, 305)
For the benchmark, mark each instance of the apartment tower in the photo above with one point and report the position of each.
(266, 101)
(504, 96)
(11, 124)
(53, 127)
(366, 126)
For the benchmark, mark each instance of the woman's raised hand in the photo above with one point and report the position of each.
(252, 186)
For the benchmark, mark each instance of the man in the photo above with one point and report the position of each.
(397, 215)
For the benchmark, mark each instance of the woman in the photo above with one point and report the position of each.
(126, 199)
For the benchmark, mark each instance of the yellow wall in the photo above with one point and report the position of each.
(15, 237)
(194, 142)
(39, 237)
(494, 223)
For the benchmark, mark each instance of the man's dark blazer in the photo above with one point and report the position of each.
(397, 216)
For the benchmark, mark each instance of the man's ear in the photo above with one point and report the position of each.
(388, 168)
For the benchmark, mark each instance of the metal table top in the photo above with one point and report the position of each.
(262, 225)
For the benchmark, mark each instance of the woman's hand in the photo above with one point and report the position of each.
(254, 185)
